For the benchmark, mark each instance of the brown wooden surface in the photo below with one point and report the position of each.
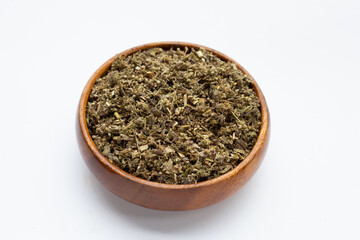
(166, 196)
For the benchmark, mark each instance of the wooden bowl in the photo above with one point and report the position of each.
(168, 196)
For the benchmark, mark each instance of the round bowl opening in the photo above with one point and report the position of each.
(256, 153)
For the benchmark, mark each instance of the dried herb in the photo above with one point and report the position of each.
(175, 116)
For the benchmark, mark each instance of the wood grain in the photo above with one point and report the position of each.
(166, 196)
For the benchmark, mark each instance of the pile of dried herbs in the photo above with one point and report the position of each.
(175, 116)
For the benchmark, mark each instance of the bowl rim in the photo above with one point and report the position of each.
(166, 45)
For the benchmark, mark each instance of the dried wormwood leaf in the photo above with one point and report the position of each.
(174, 116)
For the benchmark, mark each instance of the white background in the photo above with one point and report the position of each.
(305, 55)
